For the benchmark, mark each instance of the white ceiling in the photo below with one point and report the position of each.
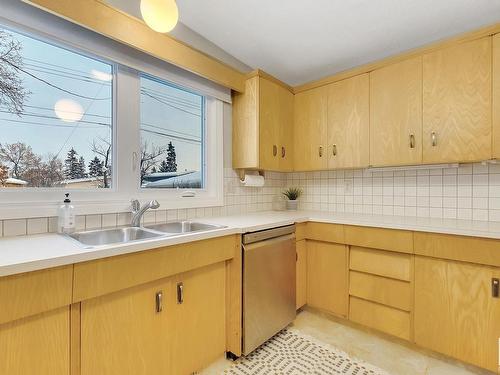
(299, 41)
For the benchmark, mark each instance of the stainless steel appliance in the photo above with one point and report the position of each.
(268, 284)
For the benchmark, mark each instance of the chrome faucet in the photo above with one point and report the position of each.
(138, 211)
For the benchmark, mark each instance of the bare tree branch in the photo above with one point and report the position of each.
(12, 93)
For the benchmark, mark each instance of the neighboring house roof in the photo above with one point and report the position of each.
(184, 180)
(78, 180)
(15, 181)
(151, 177)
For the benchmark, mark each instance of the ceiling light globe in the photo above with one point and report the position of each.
(160, 15)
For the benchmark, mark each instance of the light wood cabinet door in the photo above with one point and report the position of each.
(396, 114)
(327, 277)
(286, 136)
(496, 97)
(457, 103)
(37, 345)
(199, 315)
(455, 312)
(245, 117)
(348, 123)
(301, 274)
(275, 126)
(122, 333)
(310, 121)
(269, 124)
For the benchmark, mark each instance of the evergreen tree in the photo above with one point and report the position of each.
(153, 170)
(71, 165)
(82, 169)
(96, 167)
(170, 164)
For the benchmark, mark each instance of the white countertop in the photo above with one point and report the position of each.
(31, 253)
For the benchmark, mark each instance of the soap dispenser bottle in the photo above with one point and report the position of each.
(66, 222)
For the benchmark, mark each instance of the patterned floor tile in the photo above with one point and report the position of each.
(292, 353)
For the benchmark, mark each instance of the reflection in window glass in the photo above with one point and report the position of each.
(172, 136)
(55, 116)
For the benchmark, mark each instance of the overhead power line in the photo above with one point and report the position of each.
(48, 83)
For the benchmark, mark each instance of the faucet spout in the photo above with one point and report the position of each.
(138, 210)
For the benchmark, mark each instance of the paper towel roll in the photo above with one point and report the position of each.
(253, 180)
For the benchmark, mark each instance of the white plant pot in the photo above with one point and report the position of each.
(291, 205)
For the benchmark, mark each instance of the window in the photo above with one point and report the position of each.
(172, 136)
(105, 120)
(56, 123)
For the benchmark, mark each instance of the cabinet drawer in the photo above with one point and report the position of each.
(35, 292)
(379, 238)
(382, 318)
(382, 263)
(390, 292)
(325, 232)
(466, 249)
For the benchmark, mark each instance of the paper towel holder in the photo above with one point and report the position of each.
(241, 173)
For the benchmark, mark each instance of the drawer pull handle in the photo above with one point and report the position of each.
(159, 301)
(334, 150)
(412, 141)
(275, 150)
(320, 151)
(495, 288)
(283, 151)
(434, 139)
(180, 293)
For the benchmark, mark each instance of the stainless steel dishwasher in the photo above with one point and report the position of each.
(269, 260)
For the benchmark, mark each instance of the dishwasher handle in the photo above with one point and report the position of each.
(270, 242)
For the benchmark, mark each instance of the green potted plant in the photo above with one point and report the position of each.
(292, 194)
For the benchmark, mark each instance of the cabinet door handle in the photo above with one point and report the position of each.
(180, 293)
(334, 150)
(495, 288)
(434, 139)
(275, 150)
(412, 141)
(320, 151)
(283, 151)
(159, 301)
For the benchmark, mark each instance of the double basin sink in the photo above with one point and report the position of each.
(130, 234)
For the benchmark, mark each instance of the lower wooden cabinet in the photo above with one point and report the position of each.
(301, 274)
(327, 277)
(36, 345)
(199, 333)
(122, 333)
(172, 326)
(455, 311)
(383, 318)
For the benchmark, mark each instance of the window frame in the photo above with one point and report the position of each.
(43, 202)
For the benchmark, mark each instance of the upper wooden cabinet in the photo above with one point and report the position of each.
(496, 97)
(457, 103)
(348, 123)
(263, 125)
(396, 114)
(310, 124)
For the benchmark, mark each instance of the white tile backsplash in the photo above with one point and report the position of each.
(471, 191)
(14, 227)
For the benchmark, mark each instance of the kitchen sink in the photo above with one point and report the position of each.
(179, 227)
(113, 236)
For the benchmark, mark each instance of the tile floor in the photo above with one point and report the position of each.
(390, 356)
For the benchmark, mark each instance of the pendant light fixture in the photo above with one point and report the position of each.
(160, 15)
